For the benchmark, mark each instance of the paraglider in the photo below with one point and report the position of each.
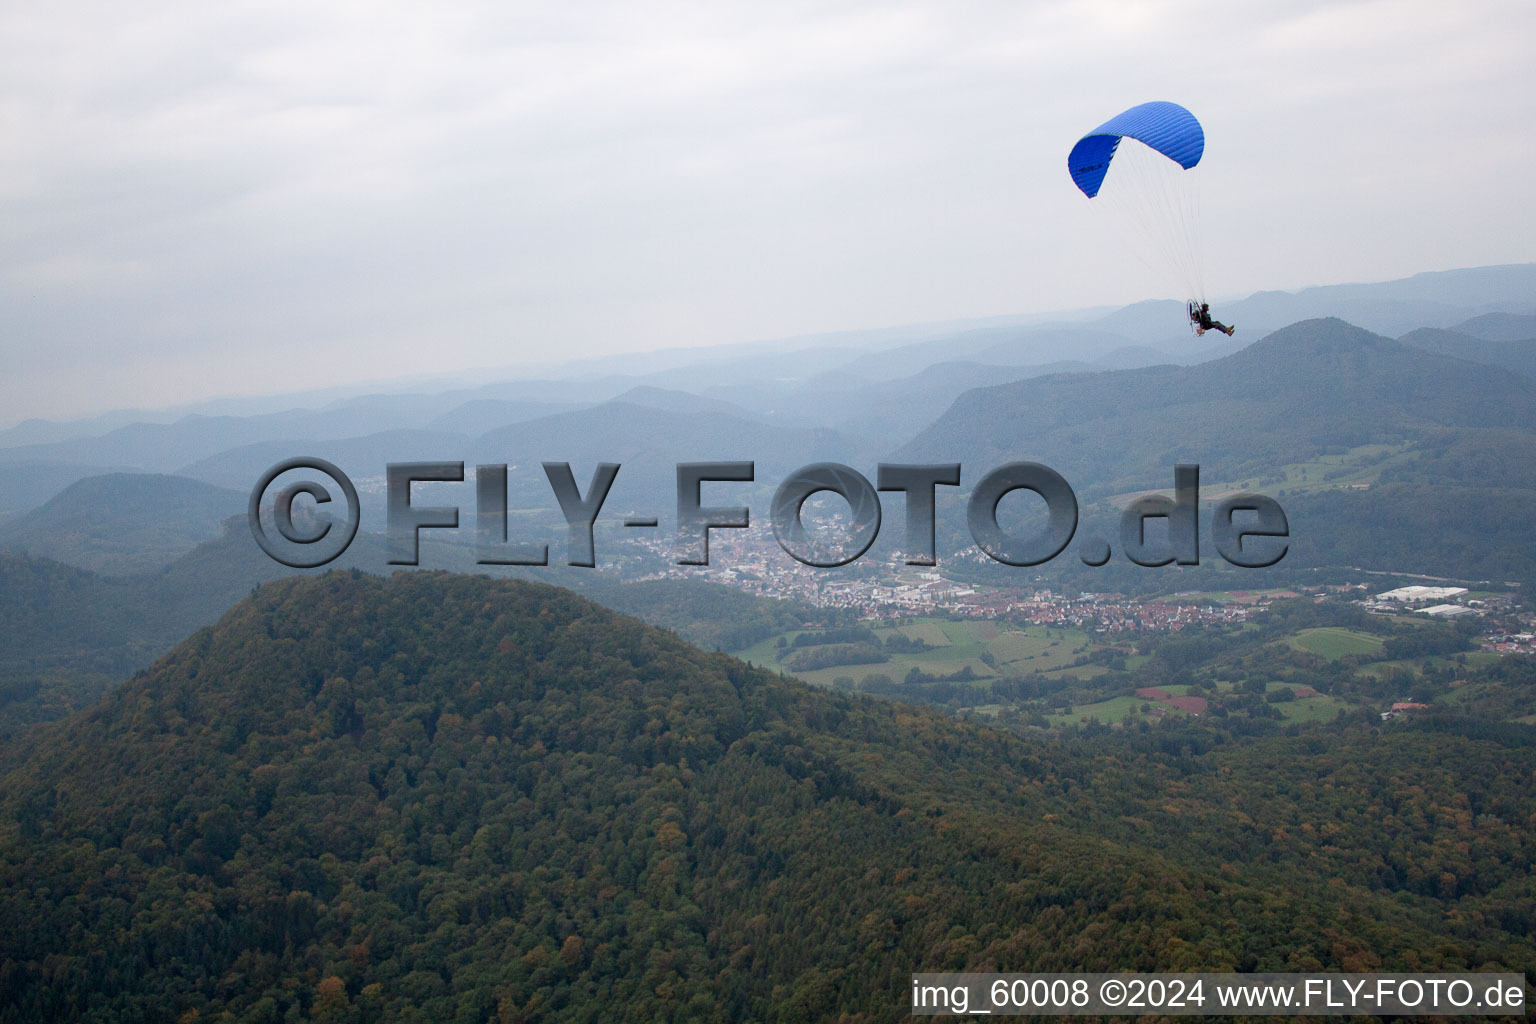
(1200, 316)
(1140, 167)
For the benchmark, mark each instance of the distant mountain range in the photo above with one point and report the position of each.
(1434, 299)
(1100, 398)
(1155, 332)
(1516, 355)
(1312, 391)
(1313, 387)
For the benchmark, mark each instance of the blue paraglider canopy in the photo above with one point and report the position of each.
(1166, 127)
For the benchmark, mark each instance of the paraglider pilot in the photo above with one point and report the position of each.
(1201, 316)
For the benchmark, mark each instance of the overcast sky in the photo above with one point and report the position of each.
(230, 198)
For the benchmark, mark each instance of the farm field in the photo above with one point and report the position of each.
(1334, 642)
(1357, 467)
(954, 645)
(978, 651)
(1114, 711)
(1316, 708)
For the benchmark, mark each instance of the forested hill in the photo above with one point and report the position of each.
(68, 635)
(435, 798)
(122, 523)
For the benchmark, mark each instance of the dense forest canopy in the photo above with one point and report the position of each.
(434, 797)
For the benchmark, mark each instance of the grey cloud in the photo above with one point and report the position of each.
(212, 199)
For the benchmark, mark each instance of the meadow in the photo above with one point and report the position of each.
(989, 649)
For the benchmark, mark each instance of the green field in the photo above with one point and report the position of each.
(1118, 710)
(958, 644)
(1461, 695)
(1334, 642)
(930, 631)
(1357, 467)
(1320, 708)
(1111, 712)
(954, 645)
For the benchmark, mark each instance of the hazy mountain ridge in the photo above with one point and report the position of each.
(360, 457)
(1017, 346)
(649, 442)
(1501, 326)
(1316, 386)
(1439, 298)
(1313, 388)
(1247, 412)
(1516, 355)
(28, 485)
(1436, 299)
(122, 523)
(886, 409)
